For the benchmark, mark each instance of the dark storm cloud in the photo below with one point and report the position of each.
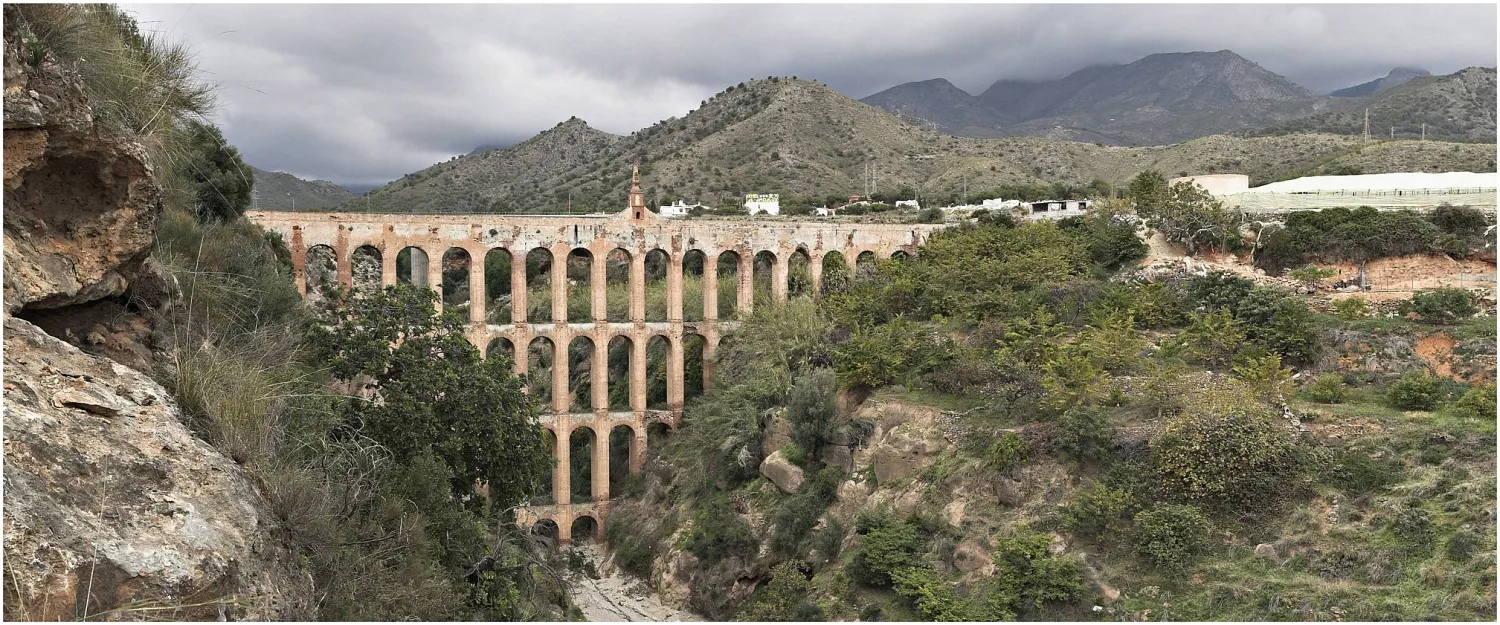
(361, 94)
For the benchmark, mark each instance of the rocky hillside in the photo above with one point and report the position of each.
(1456, 107)
(115, 507)
(799, 137)
(1397, 76)
(279, 191)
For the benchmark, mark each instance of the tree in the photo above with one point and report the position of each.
(220, 182)
(1148, 191)
(1191, 216)
(434, 393)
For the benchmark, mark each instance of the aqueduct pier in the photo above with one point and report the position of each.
(634, 232)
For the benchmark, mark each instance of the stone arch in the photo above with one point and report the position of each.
(500, 347)
(546, 495)
(693, 266)
(658, 263)
(728, 265)
(657, 435)
(322, 270)
(617, 285)
(547, 529)
(836, 273)
(411, 266)
(584, 528)
(365, 268)
(539, 285)
(581, 443)
(693, 365)
(864, 265)
(622, 451)
(580, 281)
(763, 273)
(580, 379)
(658, 361)
(539, 355)
(900, 255)
(456, 287)
(497, 295)
(799, 273)
(620, 348)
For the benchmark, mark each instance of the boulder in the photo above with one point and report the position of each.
(908, 449)
(81, 205)
(786, 476)
(1265, 550)
(1009, 492)
(953, 513)
(837, 456)
(111, 500)
(971, 557)
(776, 432)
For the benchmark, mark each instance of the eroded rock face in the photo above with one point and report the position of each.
(81, 207)
(110, 499)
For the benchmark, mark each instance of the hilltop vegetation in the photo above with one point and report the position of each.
(277, 191)
(1456, 107)
(799, 138)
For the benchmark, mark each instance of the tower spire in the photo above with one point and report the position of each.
(637, 208)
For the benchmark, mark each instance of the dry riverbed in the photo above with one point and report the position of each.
(615, 595)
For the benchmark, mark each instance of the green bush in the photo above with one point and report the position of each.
(1327, 389)
(1085, 433)
(787, 597)
(1225, 451)
(1416, 391)
(1357, 473)
(1312, 274)
(885, 546)
(1100, 512)
(1171, 536)
(930, 216)
(811, 409)
(1477, 403)
(1005, 452)
(718, 533)
(1352, 308)
(891, 353)
(1441, 305)
(1030, 574)
(799, 512)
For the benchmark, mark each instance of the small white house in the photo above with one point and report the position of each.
(768, 203)
(912, 204)
(824, 211)
(999, 204)
(677, 210)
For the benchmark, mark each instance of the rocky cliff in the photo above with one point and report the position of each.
(113, 508)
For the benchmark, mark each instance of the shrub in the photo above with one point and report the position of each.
(1441, 305)
(1211, 338)
(1100, 512)
(1477, 403)
(1170, 535)
(930, 216)
(1226, 451)
(784, 598)
(1085, 433)
(890, 353)
(812, 406)
(934, 598)
(718, 533)
(1031, 575)
(1006, 452)
(1327, 389)
(1352, 308)
(1263, 372)
(1415, 391)
(1280, 323)
(799, 512)
(1357, 473)
(1312, 274)
(885, 547)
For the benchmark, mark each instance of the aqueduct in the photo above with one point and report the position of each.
(550, 242)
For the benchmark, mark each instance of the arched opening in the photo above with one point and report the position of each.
(411, 266)
(456, 279)
(864, 265)
(621, 439)
(580, 382)
(658, 352)
(545, 495)
(799, 274)
(692, 366)
(322, 270)
(497, 285)
(836, 273)
(584, 528)
(900, 255)
(500, 347)
(617, 285)
(581, 456)
(539, 285)
(729, 279)
(762, 272)
(656, 285)
(365, 269)
(539, 369)
(657, 435)
(692, 285)
(580, 277)
(546, 529)
(619, 373)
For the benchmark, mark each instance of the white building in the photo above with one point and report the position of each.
(998, 204)
(677, 210)
(912, 204)
(824, 211)
(768, 203)
(1057, 209)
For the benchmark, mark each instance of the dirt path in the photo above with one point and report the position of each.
(617, 596)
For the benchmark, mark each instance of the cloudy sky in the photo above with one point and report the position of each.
(362, 94)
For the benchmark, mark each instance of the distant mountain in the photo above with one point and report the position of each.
(275, 190)
(1455, 107)
(799, 138)
(1396, 77)
(952, 110)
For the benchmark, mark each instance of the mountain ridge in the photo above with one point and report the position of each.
(276, 190)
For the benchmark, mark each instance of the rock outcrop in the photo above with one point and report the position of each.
(786, 476)
(110, 500)
(81, 206)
